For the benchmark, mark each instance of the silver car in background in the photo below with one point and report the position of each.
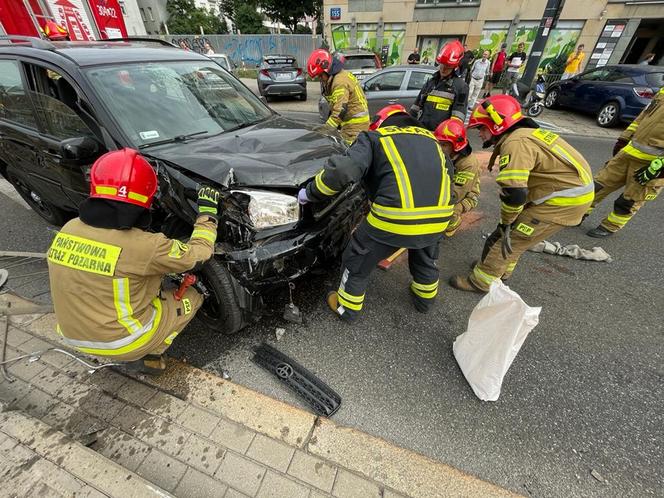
(280, 75)
(224, 61)
(392, 85)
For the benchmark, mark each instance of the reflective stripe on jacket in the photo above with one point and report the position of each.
(441, 99)
(346, 99)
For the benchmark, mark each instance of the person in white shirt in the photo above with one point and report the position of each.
(478, 73)
(208, 49)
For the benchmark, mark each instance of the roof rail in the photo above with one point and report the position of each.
(35, 42)
(141, 39)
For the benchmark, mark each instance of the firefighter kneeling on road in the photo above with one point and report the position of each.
(106, 270)
(406, 175)
(452, 138)
(545, 183)
(637, 165)
(349, 111)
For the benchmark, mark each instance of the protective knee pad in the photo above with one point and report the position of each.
(623, 206)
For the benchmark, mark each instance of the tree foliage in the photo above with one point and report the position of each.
(244, 15)
(184, 18)
(289, 12)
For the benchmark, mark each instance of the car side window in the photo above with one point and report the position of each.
(597, 75)
(418, 79)
(55, 103)
(14, 101)
(389, 81)
(618, 77)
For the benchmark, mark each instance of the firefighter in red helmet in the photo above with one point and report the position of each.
(445, 95)
(349, 111)
(106, 270)
(545, 185)
(55, 32)
(466, 184)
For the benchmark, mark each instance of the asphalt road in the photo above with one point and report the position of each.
(584, 395)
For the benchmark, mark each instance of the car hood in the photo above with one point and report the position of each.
(278, 152)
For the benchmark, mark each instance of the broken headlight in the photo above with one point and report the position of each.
(271, 209)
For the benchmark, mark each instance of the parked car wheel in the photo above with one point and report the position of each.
(220, 311)
(303, 96)
(609, 114)
(551, 99)
(49, 212)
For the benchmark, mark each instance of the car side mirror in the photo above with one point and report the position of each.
(79, 151)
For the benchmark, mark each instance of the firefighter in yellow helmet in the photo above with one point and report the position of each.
(452, 138)
(637, 165)
(106, 270)
(349, 111)
(545, 184)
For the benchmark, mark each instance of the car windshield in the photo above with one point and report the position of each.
(162, 101)
(655, 80)
(361, 62)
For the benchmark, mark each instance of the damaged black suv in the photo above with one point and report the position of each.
(63, 104)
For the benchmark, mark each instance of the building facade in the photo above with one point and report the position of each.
(154, 15)
(613, 31)
(132, 17)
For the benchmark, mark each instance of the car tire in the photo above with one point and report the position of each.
(47, 210)
(303, 96)
(609, 114)
(220, 311)
(551, 99)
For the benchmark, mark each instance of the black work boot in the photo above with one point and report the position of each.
(599, 233)
(151, 364)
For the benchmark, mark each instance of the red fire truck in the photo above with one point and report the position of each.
(84, 19)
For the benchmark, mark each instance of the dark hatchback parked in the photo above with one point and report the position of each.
(64, 104)
(613, 93)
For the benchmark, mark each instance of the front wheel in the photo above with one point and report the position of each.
(220, 311)
(48, 211)
(535, 109)
(608, 115)
(551, 99)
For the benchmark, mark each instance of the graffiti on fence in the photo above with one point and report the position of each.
(250, 50)
(196, 43)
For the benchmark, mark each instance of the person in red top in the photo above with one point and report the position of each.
(496, 70)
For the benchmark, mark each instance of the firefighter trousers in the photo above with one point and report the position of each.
(619, 172)
(359, 260)
(350, 132)
(526, 232)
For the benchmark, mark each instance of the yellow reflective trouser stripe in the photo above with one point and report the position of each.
(140, 341)
(618, 219)
(170, 338)
(398, 229)
(349, 301)
(444, 197)
(571, 201)
(425, 291)
(483, 277)
(569, 159)
(360, 119)
(400, 172)
(633, 126)
(634, 152)
(513, 174)
(511, 266)
(320, 185)
(202, 233)
(420, 213)
(510, 209)
(123, 309)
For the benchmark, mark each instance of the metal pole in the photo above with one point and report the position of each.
(549, 20)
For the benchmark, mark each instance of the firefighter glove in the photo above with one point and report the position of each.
(505, 240)
(208, 200)
(302, 196)
(650, 172)
(620, 143)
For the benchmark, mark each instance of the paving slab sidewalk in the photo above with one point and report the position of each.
(189, 433)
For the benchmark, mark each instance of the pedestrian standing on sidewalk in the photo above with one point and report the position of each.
(407, 178)
(496, 70)
(479, 71)
(545, 185)
(573, 66)
(514, 63)
(445, 95)
(414, 58)
(106, 268)
(466, 62)
(637, 165)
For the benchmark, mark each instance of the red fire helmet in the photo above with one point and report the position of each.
(124, 176)
(498, 113)
(319, 62)
(385, 113)
(451, 54)
(452, 131)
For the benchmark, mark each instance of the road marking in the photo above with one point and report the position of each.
(9, 191)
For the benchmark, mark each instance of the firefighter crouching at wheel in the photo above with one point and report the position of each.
(445, 95)
(406, 176)
(349, 111)
(545, 183)
(466, 183)
(106, 270)
(637, 165)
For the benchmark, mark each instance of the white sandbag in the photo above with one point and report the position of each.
(497, 328)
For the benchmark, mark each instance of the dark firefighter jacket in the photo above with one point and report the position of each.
(407, 178)
(441, 99)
